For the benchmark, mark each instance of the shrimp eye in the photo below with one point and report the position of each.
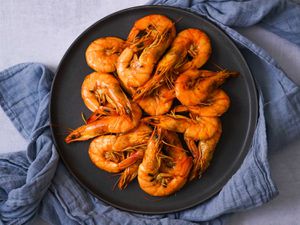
(170, 164)
(153, 120)
(141, 33)
(140, 45)
(189, 57)
(73, 136)
(128, 111)
(168, 33)
(151, 27)
(106, 110)
(156, 136)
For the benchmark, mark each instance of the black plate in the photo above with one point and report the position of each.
(238, 123)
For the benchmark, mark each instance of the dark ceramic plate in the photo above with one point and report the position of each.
(238, 123)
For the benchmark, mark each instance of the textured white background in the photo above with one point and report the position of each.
(41, 31)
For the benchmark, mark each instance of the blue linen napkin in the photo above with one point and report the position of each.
(34, 182)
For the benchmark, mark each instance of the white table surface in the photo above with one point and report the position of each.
(41, 31)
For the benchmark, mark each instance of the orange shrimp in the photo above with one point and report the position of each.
(163, 173)
(97, 88)
(198, 48)
(114, 153)
(190, 49)
(103, 110)
(202, 154)
(106, 124)
(200, 129)
(159, 102)
(129, 174)
(105, 158)
(103, 53)
(194, 86)
(148, 39)
(216, 104)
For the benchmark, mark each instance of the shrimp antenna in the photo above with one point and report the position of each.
(116, 183)
(216, 65)
(66, 128)
(178, 20)
(83, 117)
(174, 146)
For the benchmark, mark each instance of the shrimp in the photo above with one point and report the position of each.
(114, 153)
(198, 48)
(162, 174)
(216, 104)
(103, 53)
(148, 39)
(106, 124)
(102, 155)
(203, 154)
(194, 86)
(105, 110)
(159, 102)
(97, 88)
(201, 129)
(149, 28)
(190, 49)
(129, 174)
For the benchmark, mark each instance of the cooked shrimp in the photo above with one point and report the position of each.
(114, 153)
(102, 155)
(149, 29)
(198, 48)
(97, 88)
(103, 53)
(159, 102)
(106, 124)
(148, 39)
(190, 49)
(194, 86)
(207, 148)
(200, 129)
(216, 104)
(203, 154)
(139, 137)
(128, 175)
(106, 110)
(162, 174)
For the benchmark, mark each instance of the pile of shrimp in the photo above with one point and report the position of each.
(144, 93)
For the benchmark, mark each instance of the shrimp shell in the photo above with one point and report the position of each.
(106, 124)
(194, 86)
(215, 105)
(99, 88)
(162, 175)
(103, 53)
(148, 39)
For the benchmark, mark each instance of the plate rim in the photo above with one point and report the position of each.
(249, 134)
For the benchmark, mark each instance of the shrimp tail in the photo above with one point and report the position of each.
(129, 174)
(195, 172)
